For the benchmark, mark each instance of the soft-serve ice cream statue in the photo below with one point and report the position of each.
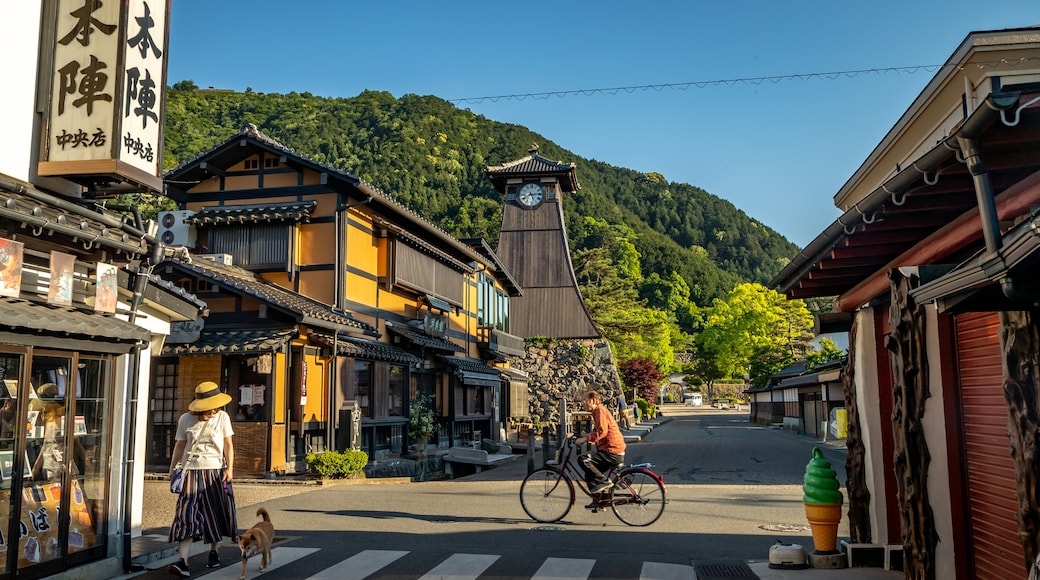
(822, 502)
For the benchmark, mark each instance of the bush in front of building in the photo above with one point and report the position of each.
(336, 464)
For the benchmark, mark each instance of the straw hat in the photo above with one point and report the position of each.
(207, 397)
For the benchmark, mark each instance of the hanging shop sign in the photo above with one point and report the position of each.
(106, 92)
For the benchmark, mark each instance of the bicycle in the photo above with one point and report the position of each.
(637, 496)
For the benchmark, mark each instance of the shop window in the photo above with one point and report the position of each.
(65, 412)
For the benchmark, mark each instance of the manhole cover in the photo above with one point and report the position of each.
(788, 528)
(547, 529)
(722, 569)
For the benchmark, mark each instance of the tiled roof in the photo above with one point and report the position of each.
(62, 321)
(360, 347)
(424, 339)
(299, 211)
(307, 310)
(234, 342)
(535, 165)
(42, 214)
(469, 364)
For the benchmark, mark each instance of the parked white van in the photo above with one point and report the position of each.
(693, 399)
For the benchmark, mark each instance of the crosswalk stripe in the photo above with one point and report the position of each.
(280, 556)
(360, 565)
(564, 569)
(461, 567)
(662, 571)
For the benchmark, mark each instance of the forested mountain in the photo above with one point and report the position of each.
(431, 156)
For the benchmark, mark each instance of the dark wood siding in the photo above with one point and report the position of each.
(532, 253)
(545, 217)
(556, 312)
(989, 471)
(256, 245)
(422, 272)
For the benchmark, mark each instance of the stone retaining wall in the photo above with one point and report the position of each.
(565, 369)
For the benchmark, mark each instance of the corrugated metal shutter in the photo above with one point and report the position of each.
(990, 472)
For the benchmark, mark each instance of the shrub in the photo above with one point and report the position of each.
(337, 465)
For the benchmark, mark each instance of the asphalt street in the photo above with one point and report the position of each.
(734, 490)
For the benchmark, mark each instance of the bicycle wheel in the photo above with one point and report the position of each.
(638, 498)
(547, 495)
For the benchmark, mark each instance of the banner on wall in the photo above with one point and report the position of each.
(106, 292)
(10, 267)
(59, 292)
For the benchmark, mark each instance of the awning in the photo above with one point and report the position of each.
(422, 339)
(480, 379)
(438, 303)
(363, 348)
(473, 372)
(31, 323)
(234, 342)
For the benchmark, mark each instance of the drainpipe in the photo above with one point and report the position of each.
(983, 193)
(144, 270)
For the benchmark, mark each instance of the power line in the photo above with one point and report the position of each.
(746, 81)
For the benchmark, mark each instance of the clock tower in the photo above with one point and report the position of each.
(532, 246)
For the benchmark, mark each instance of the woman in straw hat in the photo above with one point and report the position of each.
(206, 505)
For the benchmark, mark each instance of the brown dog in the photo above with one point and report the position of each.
(257, 540)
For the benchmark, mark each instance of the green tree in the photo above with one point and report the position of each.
(827, 352)
(753, 329)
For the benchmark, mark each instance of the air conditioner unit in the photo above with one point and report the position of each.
(173, 231)
(218, 258)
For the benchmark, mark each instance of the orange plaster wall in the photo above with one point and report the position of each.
(279, 179)
(317, 243)
(326, 205)
(319, 285)
(314, 410)
(361, 289)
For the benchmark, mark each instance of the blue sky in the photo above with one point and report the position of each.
(779, 151)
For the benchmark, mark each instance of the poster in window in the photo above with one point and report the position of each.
(10, 267)
(60, 291)
(106, 294)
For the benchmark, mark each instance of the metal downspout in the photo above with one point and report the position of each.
(983, 193)
(130, 419)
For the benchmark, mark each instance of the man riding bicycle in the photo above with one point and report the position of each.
(609, 442)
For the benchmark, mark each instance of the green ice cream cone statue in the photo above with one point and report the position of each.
(822, 502)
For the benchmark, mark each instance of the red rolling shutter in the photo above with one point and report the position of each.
(989, 471)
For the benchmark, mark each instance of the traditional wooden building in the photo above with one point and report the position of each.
(935, 256)
(326, 295)
(799, 399)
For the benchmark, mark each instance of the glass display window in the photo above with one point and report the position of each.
(55, 433)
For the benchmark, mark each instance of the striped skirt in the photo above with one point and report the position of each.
(205, 508)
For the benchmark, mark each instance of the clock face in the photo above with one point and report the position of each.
(529, 194)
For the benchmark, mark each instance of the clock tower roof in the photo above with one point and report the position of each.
(533, 166)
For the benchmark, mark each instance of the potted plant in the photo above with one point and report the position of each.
(420, 420)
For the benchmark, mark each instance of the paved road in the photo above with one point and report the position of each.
(734, 489)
